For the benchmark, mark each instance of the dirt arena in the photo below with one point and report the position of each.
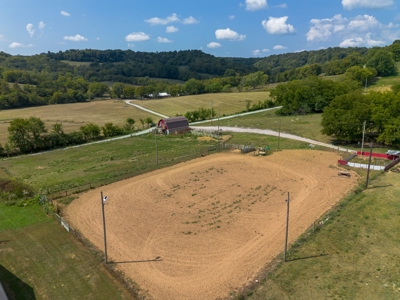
(204, 228)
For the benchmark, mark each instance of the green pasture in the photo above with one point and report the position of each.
(308, 126)
(62, 169)
(353, 255)
(76, 63)
(221, 103)
(40, 260)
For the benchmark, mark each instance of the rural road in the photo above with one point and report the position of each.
(244, 130)
(214, 128)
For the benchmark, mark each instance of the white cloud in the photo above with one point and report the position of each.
(351, 31)
(76, 38)
(361, 42)
(1, 37)
(163, 40)
(98, 38)
(41, 25)
(228, 34)
(30, 30)
(137, 37)
(363, 23)
(278, 26)
(190, 20)
(322, 29)
(159, 21)
(15, 45)
(351, 4)
(265, 50)
(279, 47)
(256, 4)
(231, 17)
(65, 14)
(171, 29)
(283, 5)
(213, 45)
(256, 52)
(19, 45)
(171, 19)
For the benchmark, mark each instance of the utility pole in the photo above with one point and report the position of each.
(362, 142)
(155, 136)
(103, 201)
(369, 166)
(287, 226)
(219, 112)
(211, 114)
(279, 133)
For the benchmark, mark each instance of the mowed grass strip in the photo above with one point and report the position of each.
(74, 115)
(222, 103)
(354, 255)
(40, 260)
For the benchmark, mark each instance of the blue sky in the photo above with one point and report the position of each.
(246, 28)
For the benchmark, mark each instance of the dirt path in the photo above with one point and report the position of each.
(214, 222)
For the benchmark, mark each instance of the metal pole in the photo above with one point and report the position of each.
(279, 133)
(369, 165)
(211, 114)
(287, 226)
(219, 112)
(104, 227)
(155, 136)
(362, 142)
(366, 80)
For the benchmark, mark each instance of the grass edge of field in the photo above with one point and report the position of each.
(258, 288)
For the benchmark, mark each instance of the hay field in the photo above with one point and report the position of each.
(204, 228)
(223, 103)
(74, 115)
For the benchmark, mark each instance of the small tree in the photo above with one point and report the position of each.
(149, 121)
(129, 125)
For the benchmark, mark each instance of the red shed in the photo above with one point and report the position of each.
(175, 125)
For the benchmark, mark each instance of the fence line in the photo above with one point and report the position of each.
(62, 191)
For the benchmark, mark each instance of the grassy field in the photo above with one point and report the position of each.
(74, 115)
(222, 103)
(40, 260)
(354, 255)
(77, 63)
(77, 166)
(308, 126)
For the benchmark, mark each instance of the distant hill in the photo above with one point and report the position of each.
(181, 65)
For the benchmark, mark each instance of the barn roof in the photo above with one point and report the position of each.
(175, 122)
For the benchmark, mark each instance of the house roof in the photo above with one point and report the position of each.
(393, 152)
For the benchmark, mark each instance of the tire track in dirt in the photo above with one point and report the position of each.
(214, 221)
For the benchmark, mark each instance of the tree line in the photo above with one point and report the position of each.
(331, 61)
(344, 107)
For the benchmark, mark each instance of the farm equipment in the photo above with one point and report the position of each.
(262, 151)
(344, 173)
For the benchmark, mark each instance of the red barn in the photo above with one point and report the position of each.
(175, 125)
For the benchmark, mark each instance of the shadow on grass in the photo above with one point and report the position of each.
(307, 257)
(136, 261)
(14, 287)
(379, 186)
